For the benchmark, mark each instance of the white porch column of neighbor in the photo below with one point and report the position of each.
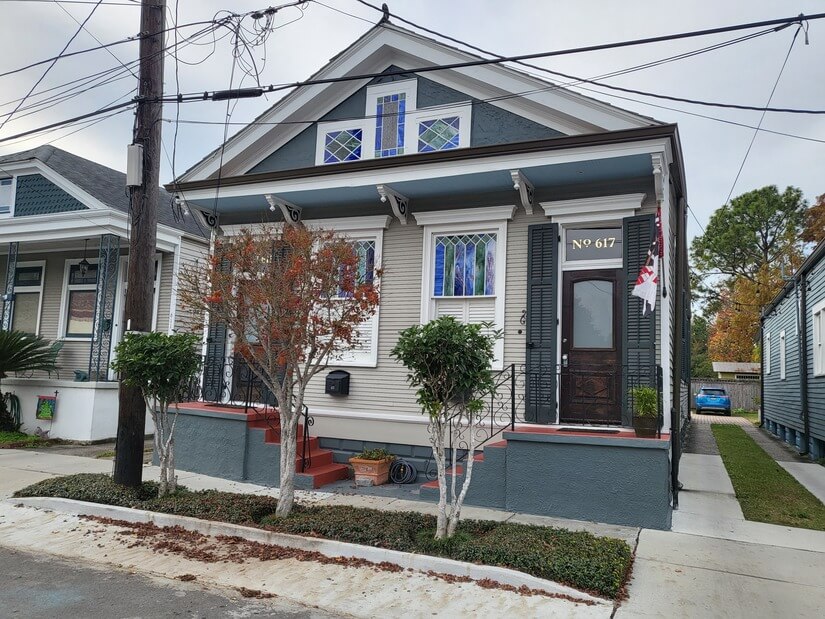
(661, 177)
(107, 276)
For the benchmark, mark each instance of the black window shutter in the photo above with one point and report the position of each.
(640, 331)
(215, 372)
(542, 319)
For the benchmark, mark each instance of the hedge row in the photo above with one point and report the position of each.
(575, 558)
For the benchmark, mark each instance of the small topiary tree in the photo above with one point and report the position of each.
(21, 352)
(449, 365)
(161, 366)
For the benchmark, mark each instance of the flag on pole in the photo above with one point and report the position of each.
(647, 283)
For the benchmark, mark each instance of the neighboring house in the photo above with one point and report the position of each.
(486, 194)
(793, 358)
(730, 370)
(64, 230)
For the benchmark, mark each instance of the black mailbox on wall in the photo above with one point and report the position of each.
(337, 383)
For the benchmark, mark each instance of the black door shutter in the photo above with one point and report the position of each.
(542, 323)
(640, 331)
(215, 372)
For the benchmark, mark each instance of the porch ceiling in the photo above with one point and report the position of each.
(359, 196)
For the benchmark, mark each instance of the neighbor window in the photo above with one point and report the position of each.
(6, 196)
(79, 304)
(782, 355)
(767, 353)
(28, 296)
(818, 344)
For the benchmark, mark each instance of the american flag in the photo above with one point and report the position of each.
(647, 283)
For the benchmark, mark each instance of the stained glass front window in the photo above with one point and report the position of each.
(465, 265)
(390, 113)
(438, 134)
(342, 145)
(365, 274)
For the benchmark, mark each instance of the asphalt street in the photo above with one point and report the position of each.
(46, 587)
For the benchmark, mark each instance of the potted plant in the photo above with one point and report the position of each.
(645, 411)
(372, 467)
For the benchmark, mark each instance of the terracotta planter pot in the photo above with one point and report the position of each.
(371, 472)
(646, 427)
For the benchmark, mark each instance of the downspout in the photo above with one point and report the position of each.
(802, 321)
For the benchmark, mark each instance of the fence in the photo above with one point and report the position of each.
(743, 394)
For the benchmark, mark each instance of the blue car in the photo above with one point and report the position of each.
(713, 399)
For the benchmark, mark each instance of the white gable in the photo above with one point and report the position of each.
(562, 110)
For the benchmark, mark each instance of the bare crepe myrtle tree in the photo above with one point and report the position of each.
(161, 366)
(294, 299)
(449, 365)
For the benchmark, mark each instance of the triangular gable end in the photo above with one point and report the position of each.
(505, 105)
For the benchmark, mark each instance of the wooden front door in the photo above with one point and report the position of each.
(590, 373)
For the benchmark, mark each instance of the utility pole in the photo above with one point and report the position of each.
(144, 201)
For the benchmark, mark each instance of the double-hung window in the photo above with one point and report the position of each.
(463, 267)
(818, 344)
(79, 294)
(28, 297)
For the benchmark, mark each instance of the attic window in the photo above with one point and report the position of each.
(390, 113)
(343, 145)
(6, 196)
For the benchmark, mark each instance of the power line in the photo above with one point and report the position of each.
(762, 117)
(49, 68)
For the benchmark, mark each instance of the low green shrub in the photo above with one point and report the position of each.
(375, 454)
(93, 488)
(575, 558)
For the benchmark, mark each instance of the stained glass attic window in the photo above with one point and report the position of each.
(465, 265)
(438, 134)
(365, 274)
(344, 145)
(390, 115)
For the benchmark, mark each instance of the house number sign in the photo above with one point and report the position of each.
(593, 244)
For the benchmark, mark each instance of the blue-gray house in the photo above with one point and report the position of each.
(490, 195)
(793, 359)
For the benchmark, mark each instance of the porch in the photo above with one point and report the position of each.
(596, 471)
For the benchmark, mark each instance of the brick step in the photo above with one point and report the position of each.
(273, 435)
(326, 474)
(317, 457)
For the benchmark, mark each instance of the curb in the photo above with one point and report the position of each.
(330, 548)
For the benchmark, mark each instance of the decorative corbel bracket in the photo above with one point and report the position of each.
(291, 212)
(658, 161)
(525, 190)
(399, 204)
(210, 218)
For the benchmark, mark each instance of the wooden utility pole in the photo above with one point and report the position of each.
(144, 202)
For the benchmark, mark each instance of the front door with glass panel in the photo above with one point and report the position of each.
(590, 376)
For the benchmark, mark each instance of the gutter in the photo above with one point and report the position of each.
(459, 154)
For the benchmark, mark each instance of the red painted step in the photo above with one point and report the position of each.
(316, 457)
(326, 474)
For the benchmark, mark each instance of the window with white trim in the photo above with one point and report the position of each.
(767, 353)
(364, 352)
(28, 297)
(392, 126)
(6, 197)
(782, 355)
(79, 295)
(463, 273)
(818, 343)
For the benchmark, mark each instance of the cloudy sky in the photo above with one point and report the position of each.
(745, 73)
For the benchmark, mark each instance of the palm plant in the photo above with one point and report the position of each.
(21, 352)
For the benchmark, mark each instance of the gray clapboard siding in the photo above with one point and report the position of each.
(782, 397)
(165, 291)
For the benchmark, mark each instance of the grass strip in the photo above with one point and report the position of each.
(766, 491)
(19, 439)
(599, 565)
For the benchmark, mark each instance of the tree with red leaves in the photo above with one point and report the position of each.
(294, 300)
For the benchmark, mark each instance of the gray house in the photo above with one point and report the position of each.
(793, 359)
(486, 194)
(64, 230)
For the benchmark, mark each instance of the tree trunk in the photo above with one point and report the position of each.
(437, 441)
(458, 502)
(289, 438)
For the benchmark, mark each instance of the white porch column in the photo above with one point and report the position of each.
(8, 290)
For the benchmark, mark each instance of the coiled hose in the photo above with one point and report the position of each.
(402, 472)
